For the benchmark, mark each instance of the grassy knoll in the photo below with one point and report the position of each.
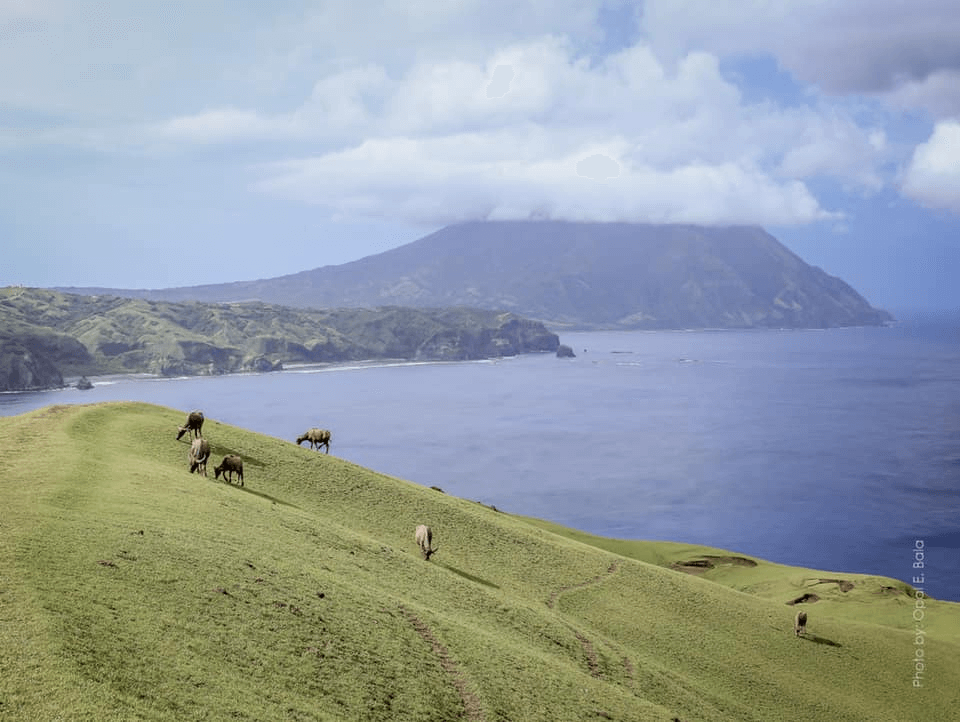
(130, 589)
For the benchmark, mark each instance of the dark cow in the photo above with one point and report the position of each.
(231, 464)
(194, 425)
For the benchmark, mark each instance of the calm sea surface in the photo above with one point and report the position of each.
(828, 449)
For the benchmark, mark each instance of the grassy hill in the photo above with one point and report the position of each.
(130, 589)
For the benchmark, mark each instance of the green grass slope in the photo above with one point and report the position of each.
(130, 589)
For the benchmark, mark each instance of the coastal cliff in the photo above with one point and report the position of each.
(45, 335)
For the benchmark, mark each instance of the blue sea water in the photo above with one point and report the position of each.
(834, 449)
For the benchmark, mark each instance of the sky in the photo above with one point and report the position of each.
(148, 144)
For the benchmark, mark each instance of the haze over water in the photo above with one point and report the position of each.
(835, 449)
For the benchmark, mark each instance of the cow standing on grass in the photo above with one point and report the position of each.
(317, 438)
(199, 455)
(194, 425)
(424, 537)
(800, 624)
(231, 464)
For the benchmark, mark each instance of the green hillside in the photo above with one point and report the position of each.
(45, 335)
(131, 589)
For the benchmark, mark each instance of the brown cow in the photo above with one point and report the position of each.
(800, 624)
(231, 464)
(194, 425)
(316, 437)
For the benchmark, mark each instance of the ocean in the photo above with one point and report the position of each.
(832, 449)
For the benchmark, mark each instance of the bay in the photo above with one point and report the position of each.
(836, 449)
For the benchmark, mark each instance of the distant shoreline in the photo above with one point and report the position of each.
(326, 366)
(105, 379)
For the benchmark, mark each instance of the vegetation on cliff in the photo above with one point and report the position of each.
(45, 335)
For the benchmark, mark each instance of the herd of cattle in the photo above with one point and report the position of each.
(233, 465)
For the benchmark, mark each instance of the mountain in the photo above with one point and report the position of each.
(45, 335)
(576, 275)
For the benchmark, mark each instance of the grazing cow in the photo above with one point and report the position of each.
(800, 624)
(316, 437)
(231, 463)
(199, 455)
(194, 425)
(424, 537)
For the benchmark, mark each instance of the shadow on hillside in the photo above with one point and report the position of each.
(820, 640)
(470, 577)
(274, 499)
(220, 451)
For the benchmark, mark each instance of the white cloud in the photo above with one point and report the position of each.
(829, 143)
(499, 84)
(436, 112)
(438, 96)
(396, 33)
(598, 166)
(933, 176)
(500, 176)
(880, 47)
(224, 125)
(437, 148)
(348, 99)
(343, 103)
(939, 93)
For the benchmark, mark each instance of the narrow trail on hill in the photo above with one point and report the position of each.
(554, 596)
(593, 660)
(471, 704)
